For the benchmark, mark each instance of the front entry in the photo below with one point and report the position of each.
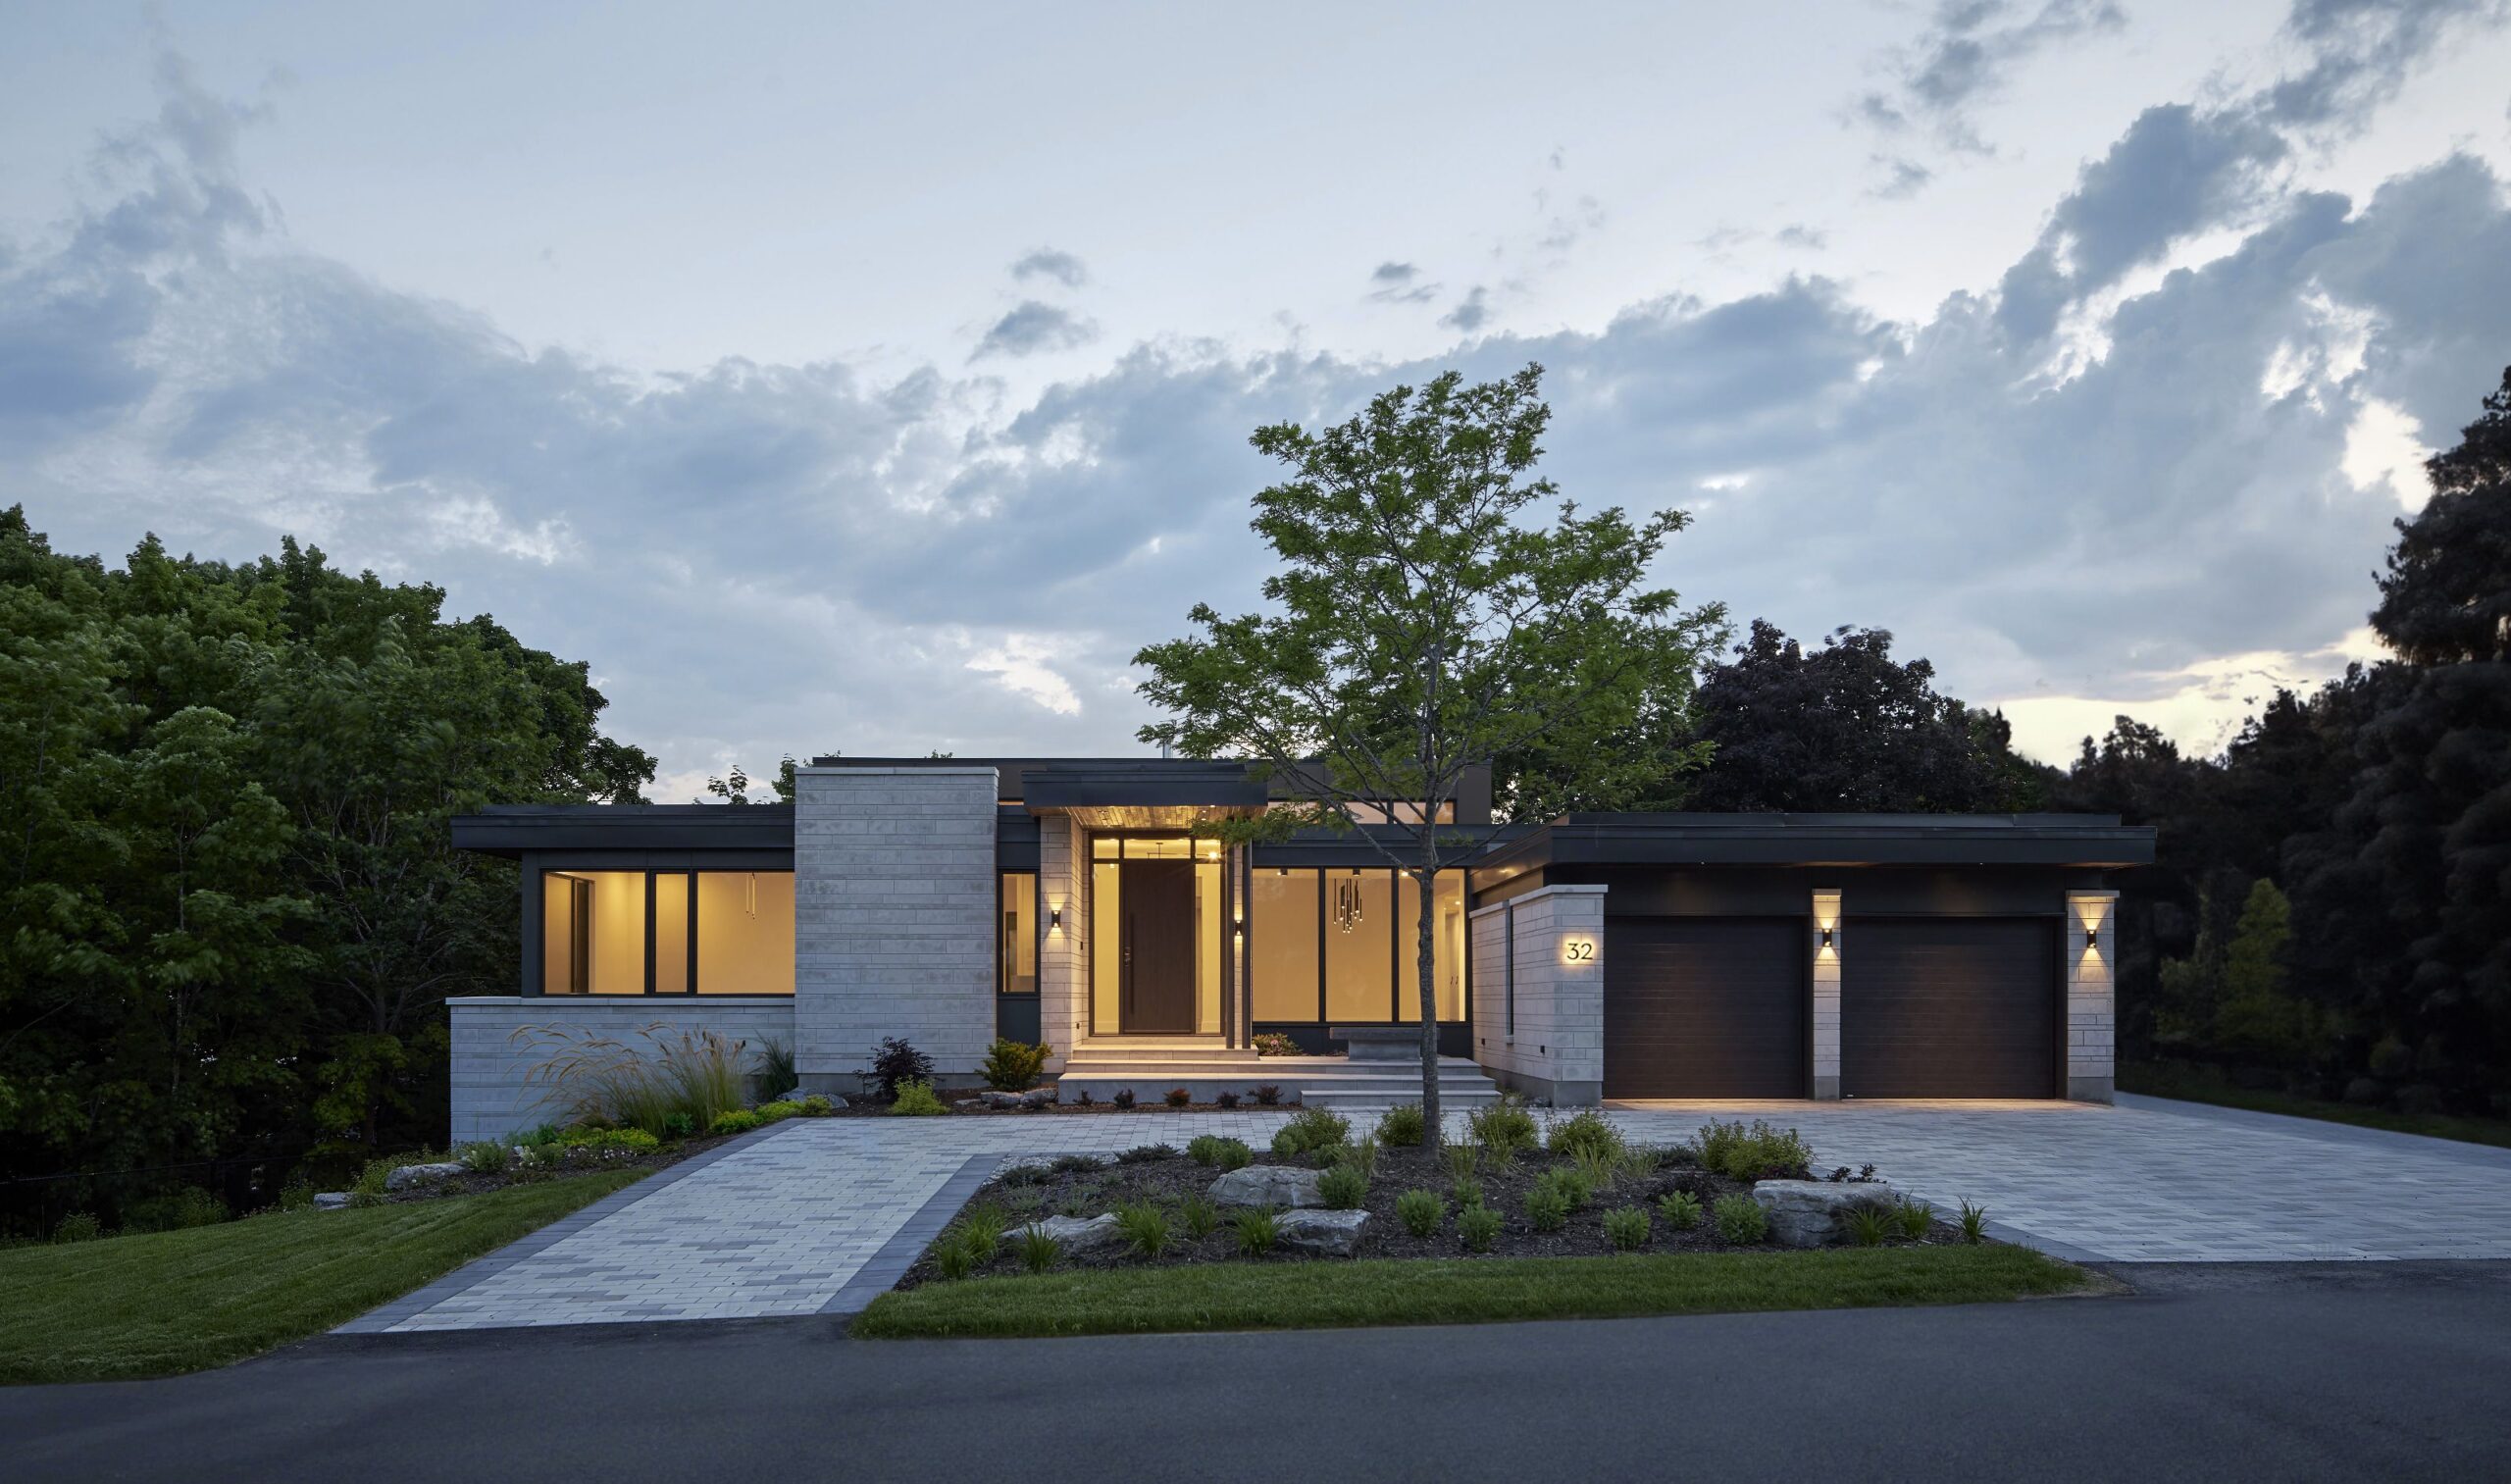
(1158, 985)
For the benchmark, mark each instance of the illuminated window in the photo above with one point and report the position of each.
(1019, 950)
(718, 932)
(1359, 946)
(744, 932)
(592, 932)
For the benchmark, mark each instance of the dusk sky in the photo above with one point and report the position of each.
(832, 378)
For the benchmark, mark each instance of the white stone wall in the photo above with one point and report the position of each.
(1826, 992)
(1555, 1050)
(2092, 1007)
(894, 931)
(1064, 958)
(494, 1095)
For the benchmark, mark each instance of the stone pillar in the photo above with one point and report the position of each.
(2093, 1006)
(1551, 941)
(893, 930)
(1827, 991)
(1064, 958)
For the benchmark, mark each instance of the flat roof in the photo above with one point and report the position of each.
(1773, 840)
(512, 829)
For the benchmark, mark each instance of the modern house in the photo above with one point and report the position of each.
(1067, 901)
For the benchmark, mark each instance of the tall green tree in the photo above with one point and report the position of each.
(1424, 620)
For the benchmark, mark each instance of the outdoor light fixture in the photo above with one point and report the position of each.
(1827, 937)
(1054, 919)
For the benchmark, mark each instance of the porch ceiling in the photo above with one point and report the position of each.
(1147, 816)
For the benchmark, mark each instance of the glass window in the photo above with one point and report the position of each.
(1019, 957)
(1447, 948)
(1207, 931)
(1359, 945)
(671, 932)
(744, 932)
(592, 932)
(1282, 944)
(1452, 959)
(1107, 912)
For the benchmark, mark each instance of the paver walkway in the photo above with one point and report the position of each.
(816, 1215)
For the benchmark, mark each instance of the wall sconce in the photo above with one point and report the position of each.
(1054, 919)
(1238, 931)
(1828, 942)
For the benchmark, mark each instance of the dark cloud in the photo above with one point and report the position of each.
(1471, 313)
(1031, 328)
(1798, 234)
(1049, 263)
(1965, 57)
(1392, 282)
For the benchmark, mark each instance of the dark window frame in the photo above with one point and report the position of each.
(579, 950)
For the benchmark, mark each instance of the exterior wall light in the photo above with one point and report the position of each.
(1054, 919)
(1827, 937)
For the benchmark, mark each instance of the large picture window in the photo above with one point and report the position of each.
(666, 932)
(1338, 947)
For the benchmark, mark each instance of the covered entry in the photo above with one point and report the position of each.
(1948, 1007)
(1705, 1008)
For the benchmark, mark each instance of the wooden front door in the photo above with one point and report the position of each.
(1158, 980)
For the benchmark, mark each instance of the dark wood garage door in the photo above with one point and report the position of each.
(1948, 1007)
(1705, 1008)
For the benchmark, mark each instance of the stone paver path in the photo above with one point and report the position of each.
(816, 1215)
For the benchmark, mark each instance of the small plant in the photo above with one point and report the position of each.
(1178, 1096)
(1740, 1219)
(1124, 1098)
(1147, 1154)
(1037, 1251)
(1459, 1160)
(1013, 1066)
(1225, 1100)
(78, 1226)
(981, 1230)
(817, 1106)
(737, 1121)
(1084, 1098)
(778, 1112)
(952, 1259)
(1868, 1225)
(1343, 1188)
(1465, 1191)
(775, 1076)
(1758, 1153)
(1362, 1157)
(1204, 1149)
(296, 1195)
(624, 1140)
(1573, 1186)
(917, 1100)
(537, 1137)
(1077, 1165)
(1681, 1211)
(1214, 1150)
(1275, 1044)
(1627, 1229)
(1267, 1095)
(1915, 1217)
(1146, 1227)
(1596, 1168)
(1256, 1232)
(1198, 1217)
(1477, 1227)
(1547, 1206)
(1235, 1154)
(1583, 1133)
(1402, 1126)
(485, 1156)
(1503, 1128)
(894, 1064)
(1974, 1223)
(1313, 1128)
(1420, 1211)
(679, 1125)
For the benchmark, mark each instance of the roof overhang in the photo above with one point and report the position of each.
(1831, 839)
(1152, 794)
(512, 829)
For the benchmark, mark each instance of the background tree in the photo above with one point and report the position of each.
(1420, 624)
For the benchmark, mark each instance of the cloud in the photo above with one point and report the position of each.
(1471, 313)
(1965, 58)
(1903, 178)
(1050, 264)
(1392, 282)
(1032, 328)
(1798, 234)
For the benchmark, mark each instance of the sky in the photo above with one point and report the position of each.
(879, 379)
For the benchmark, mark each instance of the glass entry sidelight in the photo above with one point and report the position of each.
(1156, 913)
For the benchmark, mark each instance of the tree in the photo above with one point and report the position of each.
(1417, 626)
(2258, 1018)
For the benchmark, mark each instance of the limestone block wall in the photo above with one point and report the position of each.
(2092, 1007)
(1063, 958)
(494, 1092)
(1538, 993)
(1827, 992)
(893, 903)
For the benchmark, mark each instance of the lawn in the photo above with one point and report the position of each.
(166, 1301)
(2194, 1083)
(1322, 1295)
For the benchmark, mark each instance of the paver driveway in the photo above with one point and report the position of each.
(816, 1215)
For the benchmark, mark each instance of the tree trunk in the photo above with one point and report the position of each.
(1432, 1133)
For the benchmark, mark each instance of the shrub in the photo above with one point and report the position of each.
(1204, 1149)
(1868, 1225)
(1023, 1174)
(485, 1156)
(1627, 1229)
(952, 1259)
(1547, 1206)
(1459, 1160)
(679, 1125)
(896, 1064)
(1077, 1165)
(775, 1076)
(1570, 1183)
(1598, 1169)
(1974, 1222)
(1758, 1153)
(1420, 1211)
(1146, 1154)
(1224, 1100)
(1740, 1219)
(778, 1112)
(1465, 1190)
(1256, 1232)
(1124, 1098)
(545, 1135)
(1275, 1044)
(1402, 1126)
(1915, 1217)
(624, 1140)
(917, 1100)
(1013, 1066)
(1501, 1128)
(1198, 1217)
(1037, 1251)
(1313, 1128)
(817, 1106)
(1146, 1227)
(1362, 1157)
(1343, 1188)
(981, 1229)
(1178, 1096)
(1084, 1098)
(1477, 1227)
(1681, 1211)
(78, 1226)
(1235, 1154)
(1267, 1095)
(296, 1195)
(1584, 1134)
(737, 1121)
(679, 1074)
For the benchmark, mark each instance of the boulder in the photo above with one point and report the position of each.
(411, 1176)
(1036, 1096)
(1809, 1212)
(1275, 1185)
(1097, 1234)
(1322, 1234)
(331, 1201)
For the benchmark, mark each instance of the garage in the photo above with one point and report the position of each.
(1948, 1007)
(1705, 1008)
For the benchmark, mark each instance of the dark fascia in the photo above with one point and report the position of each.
(1822, 840)
(1459, 846)
(512, 829)
(1038, 781)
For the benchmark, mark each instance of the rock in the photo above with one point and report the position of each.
(795, 1096)
(1099, 1233)
(412, 1176)
(1322, 1233)
(1275, 1185)
(1036, 1096)
(331, 1201)
(968, 1105)
(1808, 1212)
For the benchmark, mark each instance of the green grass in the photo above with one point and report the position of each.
(2193, 1083)
(161, 1302)
(1322, 1295)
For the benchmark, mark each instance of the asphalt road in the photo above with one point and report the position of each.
(2285, 1372)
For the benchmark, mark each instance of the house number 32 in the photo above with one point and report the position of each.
(1581, 950)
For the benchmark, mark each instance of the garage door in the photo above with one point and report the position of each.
(1948, 1007)
(1705, 1008)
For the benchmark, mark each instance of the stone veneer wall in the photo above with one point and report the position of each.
(1555, 1050)
(893, 903)
(491, 1095)
(1063, 958)
(2092, 1009)
(1826, 992)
